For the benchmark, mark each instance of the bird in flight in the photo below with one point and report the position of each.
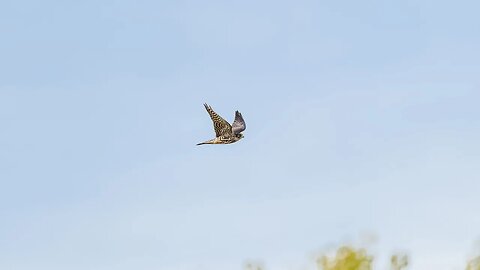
(224, 132)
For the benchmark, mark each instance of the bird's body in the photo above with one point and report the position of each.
(224, 132)
(221, 140)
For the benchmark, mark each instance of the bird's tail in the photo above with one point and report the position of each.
(207, 142)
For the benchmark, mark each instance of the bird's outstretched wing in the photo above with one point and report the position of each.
(238, 124)
(221, 126)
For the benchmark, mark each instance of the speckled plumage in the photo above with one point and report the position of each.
(224, 132)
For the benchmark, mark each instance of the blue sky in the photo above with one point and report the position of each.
(362, 118)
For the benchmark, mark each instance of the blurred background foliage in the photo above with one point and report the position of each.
(474, 264)
(351, 258)
(347, 258)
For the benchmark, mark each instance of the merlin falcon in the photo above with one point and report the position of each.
(224, 132)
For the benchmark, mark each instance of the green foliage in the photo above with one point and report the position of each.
(350, 258)
(346, 258)
(399, 262)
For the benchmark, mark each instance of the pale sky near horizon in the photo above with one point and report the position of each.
(362, 118)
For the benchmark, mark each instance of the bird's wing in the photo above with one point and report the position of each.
(221, 126)
(238, 124)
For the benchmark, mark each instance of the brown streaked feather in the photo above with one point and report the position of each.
(221, 126)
